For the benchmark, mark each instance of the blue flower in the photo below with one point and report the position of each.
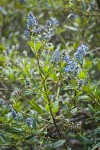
(54, 21)
(38, 30)
(67, 69)
(14, 114)
(80, 83)
(67, 58)
(71, 67)
(81, 52)
(29, 122)
(31, 21)
(10, 107)
(34, 29)
(48, 23)
(27, 33)
(48, 31)
(56, 56)
(28, 82)
(2, 102)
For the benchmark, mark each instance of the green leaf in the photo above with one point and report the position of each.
(29, 92)
(86, 89)
(38, 46)
(82, 75)
(47, 108)
(31, 44)
(96, 146)
(34, 46)
(53, 76)
(3, 11)
(97, 131)
(36, 107)
(2, 59)
(69, 87)
(84, 98)
(57, 144)
(91, 108)
(2, 47)
(72, 28)
(82, 138)
(29, 137)
(87, 66)
(46, 68)
(74, 110)
(14, 130)
(97, 113)
(55, 107)
(99, 65)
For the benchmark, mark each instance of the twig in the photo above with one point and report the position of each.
(51, 113)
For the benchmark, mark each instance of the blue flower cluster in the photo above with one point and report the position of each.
(54, 21)
(33, 28)
(28, 83)
(32, 25)
(14, 114)
(81, 52)
(80, 83)
(31, 21)
(66, 57)
(9, 106)
(56, 56)
(72, 64)
(48, 31)
(71, 67)
(29, 122)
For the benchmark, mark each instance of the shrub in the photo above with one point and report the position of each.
(48, 100)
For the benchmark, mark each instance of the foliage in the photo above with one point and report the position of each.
(49, 75)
